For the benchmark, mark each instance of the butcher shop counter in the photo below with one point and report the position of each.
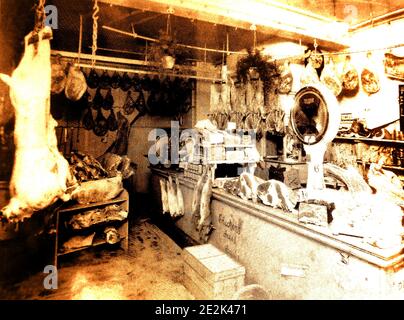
(289, 259)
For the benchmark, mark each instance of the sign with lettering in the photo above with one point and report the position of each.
(231, 231)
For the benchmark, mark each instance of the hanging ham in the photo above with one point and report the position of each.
(126, 82)
(101, 125)
(129, 106)
(164, 196)
(112, 122)
(108, 102)
(88, 120)
(93, 79)
(370, 80)
(59, 78)
(196, 197)
(98, 100)
(115, 80)
(172, 197)
(40, 175)
(330, 79)
(206, 197)
(350, 76)
(309, 76)
(120, 145)
(286, 79)
(76, 84)
(180, 199)
(104, 81)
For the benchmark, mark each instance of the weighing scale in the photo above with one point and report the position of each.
(315, 120)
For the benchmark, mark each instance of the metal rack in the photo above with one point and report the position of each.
(133, 66)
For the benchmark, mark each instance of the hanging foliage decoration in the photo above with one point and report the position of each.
(267, 71)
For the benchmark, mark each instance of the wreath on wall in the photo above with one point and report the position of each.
(254, 67)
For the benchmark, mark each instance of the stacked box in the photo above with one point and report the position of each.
(235, 155)
(210, 274)
(215, 153)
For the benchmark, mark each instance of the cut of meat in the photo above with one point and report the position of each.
(98, 100)
(40, 175)
(164, 196)
(248, 186)
(350, 177)
(88, 120)
(76, 84)
(98, 190)
(93, 79)
(104, 81)
(108, 102)
(58, 77)
(309, 76)
(350, 76)
(172, 197)
(205, 202)
(180, 199)
(286, 79)
(120, 145)
(93, 217)
(101, 125)
(129, 106)
(370, 80)
(329, 78)
(126, 82)
(277, 195)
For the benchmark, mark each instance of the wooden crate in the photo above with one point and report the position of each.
(210, 274)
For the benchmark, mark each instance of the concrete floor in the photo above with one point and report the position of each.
(152, 269)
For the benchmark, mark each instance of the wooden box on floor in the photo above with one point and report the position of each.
(210, 274)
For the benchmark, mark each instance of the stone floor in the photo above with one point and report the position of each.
(152, 269)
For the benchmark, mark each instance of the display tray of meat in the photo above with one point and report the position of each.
(85, 167)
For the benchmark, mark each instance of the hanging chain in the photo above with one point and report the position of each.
(96, 9)
(40, 16)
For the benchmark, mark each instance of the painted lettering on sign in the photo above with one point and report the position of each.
(231, 224)
(231, 231)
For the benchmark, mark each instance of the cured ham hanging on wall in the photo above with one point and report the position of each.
(58, 77)
(394, 66)
(369, 78)
(349, 77)
(76, 84)
(330, 79)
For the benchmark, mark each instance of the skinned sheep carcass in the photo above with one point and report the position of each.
(40, 175)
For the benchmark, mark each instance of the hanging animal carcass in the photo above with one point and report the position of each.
(40, 174)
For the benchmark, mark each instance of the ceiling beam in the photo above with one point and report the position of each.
(276, 20)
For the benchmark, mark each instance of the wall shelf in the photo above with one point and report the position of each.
(65, 212)
(368, 140)
(384, 166)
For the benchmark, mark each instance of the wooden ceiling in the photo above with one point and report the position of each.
(352, 11)
(194, 22)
